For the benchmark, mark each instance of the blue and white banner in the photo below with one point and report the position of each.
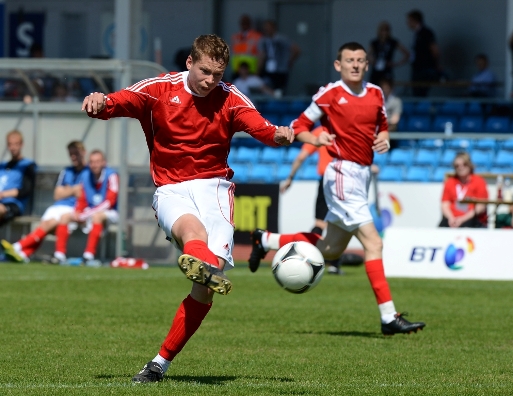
(25, 30)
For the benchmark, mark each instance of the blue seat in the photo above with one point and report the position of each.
(452, 108)
(459, 144)
(431, 144)
(504, 158)
(380, 159)
(482, 158)
(401, 156)
(418, 174)
(485, 144)
(474, 108)
(274, 106)
(448, 157)
(497, 124)
(470, 124)
(391, 173)
(283, 172)
(439, 124)
(440, 172)
(308, 172)
(427, 157)
(274, 119)
(481, 169)
(240, 173)
(312, 159)
(247, 155)
(272, 155)
(418, 123)
(287, 119)
(292, 153)
(297, 107)
(507, 145)
(423, 107)
(401, 125)
(408, 108)
(263, 173)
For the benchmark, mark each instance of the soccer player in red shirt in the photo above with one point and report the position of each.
(464, 184)
(189, 119)
(353, 112)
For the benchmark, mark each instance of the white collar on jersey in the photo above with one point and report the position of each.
(185, 76)
(348, 90)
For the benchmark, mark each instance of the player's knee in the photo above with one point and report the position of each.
(98, 217)
(374, 245)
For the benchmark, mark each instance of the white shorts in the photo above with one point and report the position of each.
(346, 188)
(112, 217)
(55, 212)
(210, 200)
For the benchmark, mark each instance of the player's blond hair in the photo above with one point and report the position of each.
(466, 159)
(14, 132)
(212, 46)
(76, 144)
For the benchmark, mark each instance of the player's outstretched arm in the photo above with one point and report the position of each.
(283, 136)
(324, 138)
(94, 102)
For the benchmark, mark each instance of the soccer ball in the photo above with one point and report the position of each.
(298, 266)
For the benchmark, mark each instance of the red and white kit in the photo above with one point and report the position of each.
(355, 120)
(188, 137)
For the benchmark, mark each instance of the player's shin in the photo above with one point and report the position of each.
(379, 284)
(61, 241)
(32, 241)
(92, 241)
(187, 320)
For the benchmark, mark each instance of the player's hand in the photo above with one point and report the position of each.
(381, 145)
(284, 136)
(454, 222)
(324, 139)
(94, 102)
(285, 184)
(374, 169)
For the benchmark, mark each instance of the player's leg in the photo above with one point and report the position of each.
(61, 237)
(98, 221)
(392, 322)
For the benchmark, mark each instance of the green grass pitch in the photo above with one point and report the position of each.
(87, 331)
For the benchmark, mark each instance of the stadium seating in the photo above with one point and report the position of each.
(423, 107)
(308, 172)
(487, 144)
(417, 174)
(287, 119)
(391, 173)
(274, 119)
(241, 173)
(439, 173)
(439, 124)
(380, 159)
(408, 108)
(500, 170)
(272, 155)
(247, 155)
(418, 123)
(427, 157)
(297, 107)
(274, 106)
(448, 157)
(232, 156)
(497, 124)
(470, 124)
(459, 144)
(262, 173)
(432, 144)
(401, 156)
(312, 159)
(291, 154)
(474, 108)
(504, 158)
(452, 108)
(482, 158)
(507, 145)
(282, 173)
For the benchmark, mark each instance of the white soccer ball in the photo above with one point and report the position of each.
(298, 266)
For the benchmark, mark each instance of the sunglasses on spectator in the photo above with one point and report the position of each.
(460, 165)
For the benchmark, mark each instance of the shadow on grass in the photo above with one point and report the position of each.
(200, 379)
(366, 334)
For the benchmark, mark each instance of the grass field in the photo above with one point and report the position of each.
(86, 331)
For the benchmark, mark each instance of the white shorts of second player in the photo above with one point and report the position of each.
(55, 212)
(210, 200)
(346, 188)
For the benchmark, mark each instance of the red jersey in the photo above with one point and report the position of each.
(354, 119)
(324, 157)
(188, 136)
(455, 191)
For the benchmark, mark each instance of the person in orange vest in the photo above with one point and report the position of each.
(244, 46)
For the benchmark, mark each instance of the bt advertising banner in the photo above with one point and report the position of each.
(449, 253)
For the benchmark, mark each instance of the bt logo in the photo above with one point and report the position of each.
(454, 253)
(392, 207)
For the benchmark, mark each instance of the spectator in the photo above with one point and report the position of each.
(425, 66)
(181, 57)
(244, 46)
(393, 104)
(17, 179)
(484, 81)
(249, 84)
(463, 185)
(276, 57)
(66, 191)
(382, 52)
(95, 207)
(61, 94)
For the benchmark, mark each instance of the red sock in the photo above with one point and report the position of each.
(31, 242)
(62, 235)
(200, 250)
(93, 239)
(187, 320)
(300, 236)
(379, 284)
